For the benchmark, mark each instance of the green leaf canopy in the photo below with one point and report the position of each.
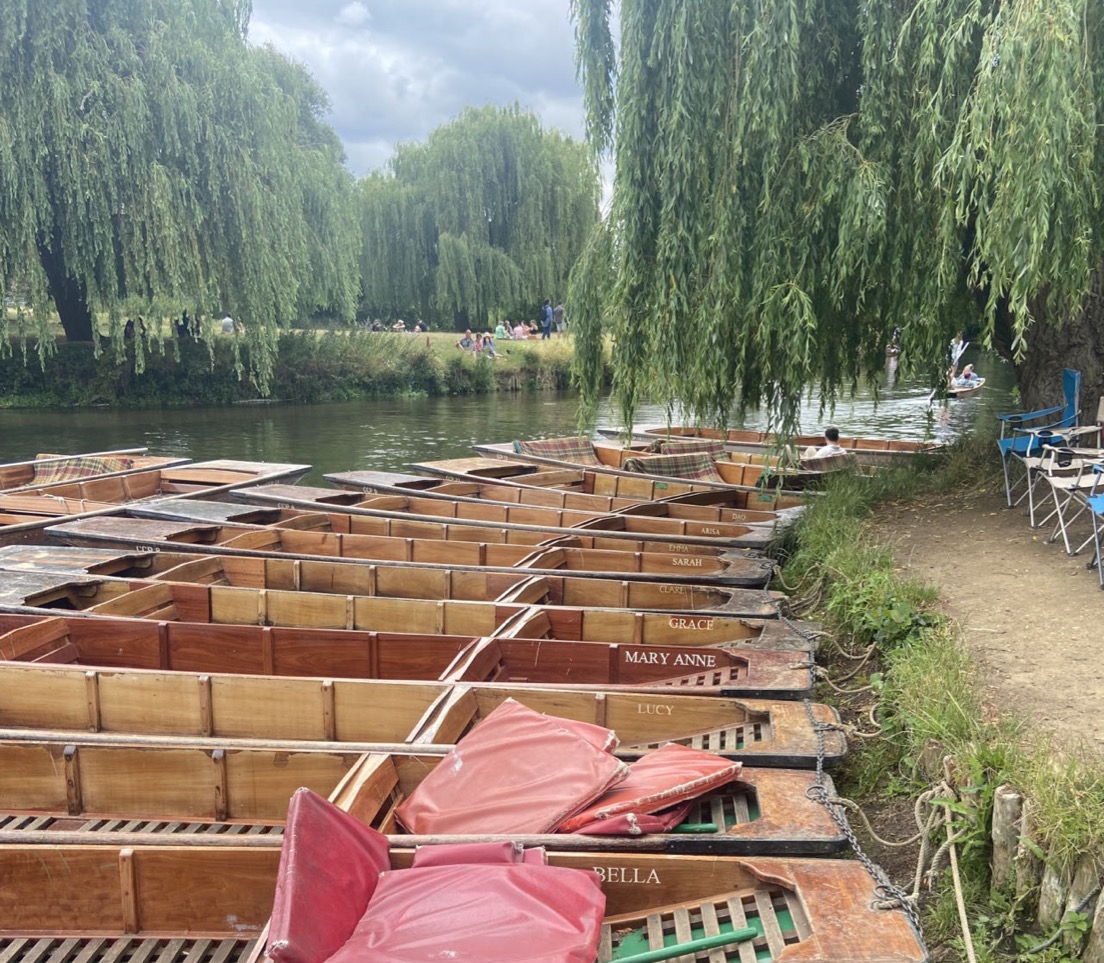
(795, 179)
(152, 163)
(481, 222)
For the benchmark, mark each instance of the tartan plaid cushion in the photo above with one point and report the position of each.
(829, 462)
(80, 466)
(577, 449)
(713, 447)
(696, 466)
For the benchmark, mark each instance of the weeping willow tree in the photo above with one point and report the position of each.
(152, 164)
(795, 179)
(482, 221)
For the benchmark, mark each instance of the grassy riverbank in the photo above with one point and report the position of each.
(911, 685)
(311, 367)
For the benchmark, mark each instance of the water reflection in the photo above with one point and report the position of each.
(391, 433)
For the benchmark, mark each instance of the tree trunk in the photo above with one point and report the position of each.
(70, 294)
(1076, 343)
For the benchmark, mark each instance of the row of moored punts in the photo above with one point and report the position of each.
(537, 704)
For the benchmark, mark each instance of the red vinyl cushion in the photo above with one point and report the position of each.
(480, 914)
(517, 771)
(329, 867)
(638, 824)
(659, 780)
(449, 854)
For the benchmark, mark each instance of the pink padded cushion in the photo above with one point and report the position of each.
(480, 914)
(517, 771)
(661, 779)
(329, 867)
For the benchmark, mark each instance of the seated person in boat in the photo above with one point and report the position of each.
(831, 445)
(967, 379)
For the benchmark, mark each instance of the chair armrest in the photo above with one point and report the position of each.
(1030, 415)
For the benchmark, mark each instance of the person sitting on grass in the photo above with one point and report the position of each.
(467, 343)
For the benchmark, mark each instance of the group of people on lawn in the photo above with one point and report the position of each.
(552, 319)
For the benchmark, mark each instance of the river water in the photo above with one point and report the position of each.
(390, 433)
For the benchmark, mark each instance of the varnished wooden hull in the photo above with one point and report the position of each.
(868, 451)
(45, 470)
(566, 556)
(656, 522)
(23, 515)
(364, 715)
(615, 532)
(199, 600)
(707, 507)
(89, 792)
(506, 658)
(438, 584)
(819, 911)
(593, 480)
(740, 470)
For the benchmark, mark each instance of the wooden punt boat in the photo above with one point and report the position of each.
(710, 469)
(867, 450)
(659, 525)
(603, 481)
(24, 514)
(363, 715)
(85, 791)
(402, 582)
(191, 596)
(704, 507)
(393, 515)
(569, 554)
(168, 898)
(507, 659)
(965, 391)
(50, 469)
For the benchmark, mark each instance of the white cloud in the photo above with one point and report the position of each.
(423, 61)
(354, 14)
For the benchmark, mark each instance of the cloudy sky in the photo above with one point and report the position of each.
(395, 69)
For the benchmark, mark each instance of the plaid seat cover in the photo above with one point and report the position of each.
(696, 466)
(713, 447)
(577, 449)
(829, 462)
(80, 466)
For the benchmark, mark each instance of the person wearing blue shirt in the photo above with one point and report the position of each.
(546, 319)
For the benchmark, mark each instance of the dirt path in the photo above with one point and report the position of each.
(1032, 617)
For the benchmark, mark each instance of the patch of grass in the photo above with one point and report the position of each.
(930, 702)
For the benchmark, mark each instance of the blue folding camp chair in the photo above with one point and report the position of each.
(1095, 505)
(1024, 434)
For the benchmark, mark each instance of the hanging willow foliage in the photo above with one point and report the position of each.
(795, 179)
(481, 222)
(151, 163)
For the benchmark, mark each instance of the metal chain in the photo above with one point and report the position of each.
(886, 892)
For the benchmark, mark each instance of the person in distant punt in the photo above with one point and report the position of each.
(831, 445)
(967, 379)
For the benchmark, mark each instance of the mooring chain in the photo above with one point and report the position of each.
(888, 895)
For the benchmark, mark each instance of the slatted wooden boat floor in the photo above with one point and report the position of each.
(775, 913)
(128, 949)
(36, 823)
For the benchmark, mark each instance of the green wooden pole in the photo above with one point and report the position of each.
(691, 946)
